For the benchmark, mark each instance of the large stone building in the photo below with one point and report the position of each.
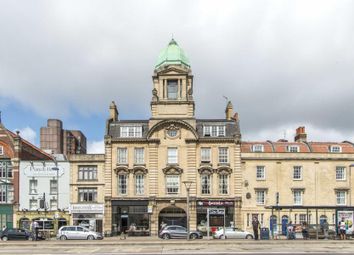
(307, 181)
(148, 161)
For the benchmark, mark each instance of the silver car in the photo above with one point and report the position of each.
(175, 231)
(77, 232)
(232, 233)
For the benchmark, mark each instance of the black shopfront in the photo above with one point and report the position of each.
(130, 216)
(215, 220)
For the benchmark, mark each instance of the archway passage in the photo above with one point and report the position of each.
(172, 215)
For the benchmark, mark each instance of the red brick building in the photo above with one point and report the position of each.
(13, 149)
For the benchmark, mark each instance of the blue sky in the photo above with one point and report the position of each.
(283, 64)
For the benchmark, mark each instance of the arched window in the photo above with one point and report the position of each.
(25, 223)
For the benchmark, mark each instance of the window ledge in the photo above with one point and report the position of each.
(223, 164)
(139, 164)
(122, 164)
(87, 180)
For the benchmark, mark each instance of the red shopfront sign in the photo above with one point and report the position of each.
(211, 203)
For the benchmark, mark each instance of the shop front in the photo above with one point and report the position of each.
(131, 217)
(226, 218)
(88, 215)
(48, 221)
(6, 216)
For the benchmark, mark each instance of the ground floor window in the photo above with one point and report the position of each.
(172, 216)
(25, 223)
(88, 220)
(130, 218)
(214, 220)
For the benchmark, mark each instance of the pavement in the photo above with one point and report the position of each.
(153, 245)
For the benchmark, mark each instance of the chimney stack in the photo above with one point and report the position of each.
(301, 135)
(113, 112)
(229, 110)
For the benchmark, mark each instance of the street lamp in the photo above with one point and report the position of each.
(188, 185)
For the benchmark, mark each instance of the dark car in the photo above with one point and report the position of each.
(175, 231)
(14, 234)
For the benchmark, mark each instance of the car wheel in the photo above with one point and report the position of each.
(249, 237)
(63, 238)
(222, 237)
(166, 236)
(193, 236)
(5, 238)
(90, 237)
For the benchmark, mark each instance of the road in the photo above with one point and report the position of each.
(177, 247)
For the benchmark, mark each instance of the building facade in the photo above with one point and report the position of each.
(56, 140)
(294, 176)
(13, 149)
(87, 190)
(44, 189)
(147, 162)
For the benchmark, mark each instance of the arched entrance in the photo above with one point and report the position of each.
(273, 224)
(284, 224)
(172, 215)
(25, 223)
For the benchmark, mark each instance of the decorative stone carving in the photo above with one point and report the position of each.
(121, 170)
(172, 131)
(206, 170)
(139, 170)
(172, 169)
(224, 170)
(155, 97)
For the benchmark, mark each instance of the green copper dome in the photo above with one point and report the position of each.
(172, 55)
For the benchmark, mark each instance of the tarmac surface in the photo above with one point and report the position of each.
(153, 245)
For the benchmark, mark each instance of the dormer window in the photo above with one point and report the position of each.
(131, 131)
(335, 149)
(1, 150)
(172, 89)
(214, 130)
(258, 148)
(293, 148)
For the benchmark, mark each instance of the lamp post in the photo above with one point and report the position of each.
(188, 185)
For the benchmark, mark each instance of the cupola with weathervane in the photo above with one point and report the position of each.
(172, 94)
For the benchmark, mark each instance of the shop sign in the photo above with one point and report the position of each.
(39, 170)
(87, 208)
(348, 217)
(149, 208)
(216, 211)
(208, 203)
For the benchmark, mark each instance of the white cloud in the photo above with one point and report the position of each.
(288, 131)
(28, 134)
(278, 61)
(95, 147)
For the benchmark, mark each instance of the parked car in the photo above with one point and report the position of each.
(312, 233)
(77, 232)
(14, 234)
(175, 231)
(234, 233)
